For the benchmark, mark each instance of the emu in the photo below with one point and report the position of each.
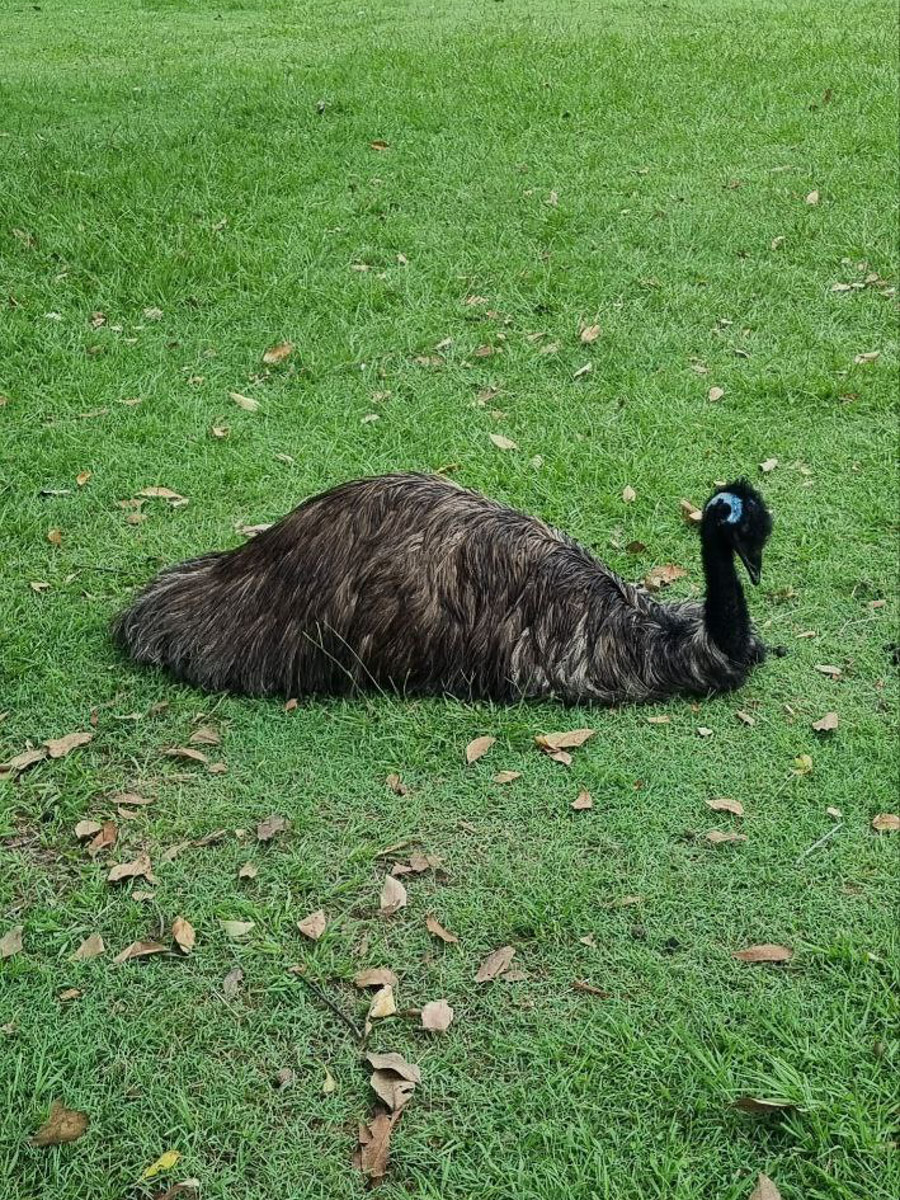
(414, 584)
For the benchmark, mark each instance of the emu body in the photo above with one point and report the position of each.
(413, 584)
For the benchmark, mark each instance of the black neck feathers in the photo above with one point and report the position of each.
(727, 618)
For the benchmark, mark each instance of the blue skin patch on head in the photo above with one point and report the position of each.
(734, 502)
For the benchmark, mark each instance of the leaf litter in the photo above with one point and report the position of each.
(477, 748)
(63, 1125)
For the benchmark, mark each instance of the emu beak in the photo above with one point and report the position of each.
(752, 560)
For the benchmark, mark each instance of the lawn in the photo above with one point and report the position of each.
(432, 202)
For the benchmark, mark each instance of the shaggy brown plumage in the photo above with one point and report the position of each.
(411, 583)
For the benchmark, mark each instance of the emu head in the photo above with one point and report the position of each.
(737, 515)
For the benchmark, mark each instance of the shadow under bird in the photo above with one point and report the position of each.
(414, 584)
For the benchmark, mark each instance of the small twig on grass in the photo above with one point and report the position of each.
(300, 973)
(822, 840)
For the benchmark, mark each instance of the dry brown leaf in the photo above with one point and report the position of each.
(63, 1125)
(278, 353)
(704, 731)
(283, 1079)
(87, 829)
(503, 443)
(393, 896)
(375, 977)
(314, 925)
(184, 935)
(60, 747)
(220, 432)
(660, 577)
(834, 812)
(104, 840)
(560, 756)
(827, 669)
(803, 764)
(514, 976)
(396, 1063)
(54, 537)
(139, 895)
(139, 950)
(205, 736)
(208, 839)
(478, 748)
(629, 495)
(248, 871)
(725, 804)
(745, 718)
(273, 824)
(624, 902)
(827, 723)
(507, 776)
(82, 477)
(570, 739)
(373, 1156)
(590, 333)
(715, 393)
(765, 1189)
(231, 984)
(582, 801)
(755, 1104)
(23, 761)
(138, 867)
(39, 585)
(436, 1015)
(396, 784)
(690, 512)
(68, 994)
(379, 144)
(886, 823)
(186, 753)
(664, 719)
(130, 799)
(433, 925)
(812, 197)
(588, 940)
(868, 357)
(236, 929)
(582, 985)
(764, 953)
(11, 942)
(160, 493)
(718, 838)
(247, 403)
(486, 351)
(329, 1083)
(768, 465)
(495, 964)
(383, 1003)
(92, 947)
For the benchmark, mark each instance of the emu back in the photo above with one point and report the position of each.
(411, 583)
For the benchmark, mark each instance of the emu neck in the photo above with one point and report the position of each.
(727, 618)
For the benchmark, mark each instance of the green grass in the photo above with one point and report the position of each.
(172, 155)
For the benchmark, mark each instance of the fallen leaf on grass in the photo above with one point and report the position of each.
(283, 1079)
(827, 723)
(383, 1003)
(373, 1156)
(754, 1104)
(829, 670)
(186, 753)
(162, 493)
(724, 804)
(184, 935)
(433, 925)
(507, 776)
(247, 403)
(624, 902)
(436, 1015)
(768, 465)
(231, 984)
(661, 720)
(375, 977)
(812, 197)
(278, 353)
(267, 829)
(660, 577)
(63, 1125)
(60, 747)
(205, 736)
(629, 495)
(834, 812)
(23, 761)
(91, 947)
(208, 839)
(766, 952)
(129, 799)
(860, 359)
(138, 867)
(379, 144)
(568, 740)
(715, 393)
(87, 829)
(82, 477)
(690, 512)
(495, 964)
(803, 764)
(54, 537)
(329, 1083)
(237, 929)
(165, 1162)
(588, 940)
(582, 371)
(393, 896)
(718, 838)
(590, 333)
(188, 1189)
(396, 784)
(582, 985)
(314, 925)
(582, 801)
(248, 871)
(765, 1189)
(886, 823)
(11, 942)
(105, 838)
(139, 950)
(704, 731)
(744, 717)
(478, 748)
(503, 443)
(69, 994)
